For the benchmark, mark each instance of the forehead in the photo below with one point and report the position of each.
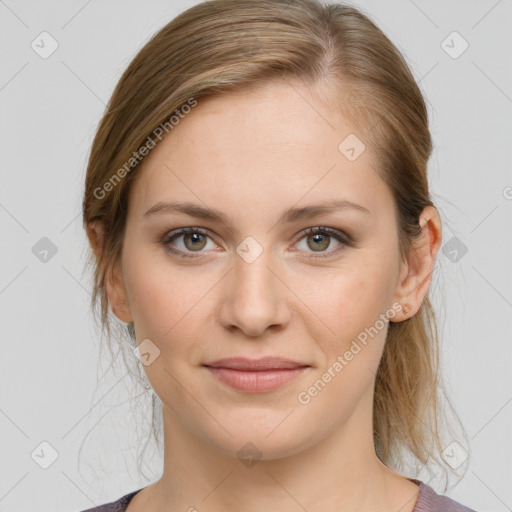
(275, 142)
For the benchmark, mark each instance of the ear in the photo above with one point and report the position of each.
(114, 283)
(416, 272)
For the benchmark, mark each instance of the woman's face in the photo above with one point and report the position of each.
(256, 283)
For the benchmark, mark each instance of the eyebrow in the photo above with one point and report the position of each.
(290, 215)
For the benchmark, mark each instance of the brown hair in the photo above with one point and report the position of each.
(220, 46)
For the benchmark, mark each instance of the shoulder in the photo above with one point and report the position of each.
(115, 506)
(430, 501)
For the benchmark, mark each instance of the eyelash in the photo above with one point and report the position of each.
(341, 237)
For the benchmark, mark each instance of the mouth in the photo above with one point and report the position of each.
(262, 364)
(256, 375)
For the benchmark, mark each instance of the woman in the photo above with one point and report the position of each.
(258, 208)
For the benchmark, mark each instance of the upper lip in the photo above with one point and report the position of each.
(264, 363)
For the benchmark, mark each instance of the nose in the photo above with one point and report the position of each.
(254, 298)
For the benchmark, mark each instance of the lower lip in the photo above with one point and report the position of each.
(256, 381)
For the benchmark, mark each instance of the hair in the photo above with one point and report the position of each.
(222, 46)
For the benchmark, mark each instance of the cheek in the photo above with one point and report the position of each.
(350, 305)
(350, 301)
(168, 306)
(162, 295)
(347, 299)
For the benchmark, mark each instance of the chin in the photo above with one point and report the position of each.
(262, 443)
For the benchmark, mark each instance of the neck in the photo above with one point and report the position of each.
(339, 473)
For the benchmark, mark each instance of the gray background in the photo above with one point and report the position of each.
(49, 111)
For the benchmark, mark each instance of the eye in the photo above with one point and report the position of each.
(184, 242)
(318, 239)
(192, 240)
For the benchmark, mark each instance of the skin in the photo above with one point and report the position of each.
(252, 155)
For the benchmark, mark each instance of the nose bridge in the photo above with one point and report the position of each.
(253, 276)
(255, 298)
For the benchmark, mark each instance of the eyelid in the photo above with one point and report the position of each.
(174, 233)
(177, 233)
(325, 229)
(343, 238)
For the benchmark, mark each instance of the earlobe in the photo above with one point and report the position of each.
(414, 286)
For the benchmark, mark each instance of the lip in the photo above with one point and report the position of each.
(256, 375)
(261, 364)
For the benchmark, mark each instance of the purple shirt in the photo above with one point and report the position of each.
(428, 501)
